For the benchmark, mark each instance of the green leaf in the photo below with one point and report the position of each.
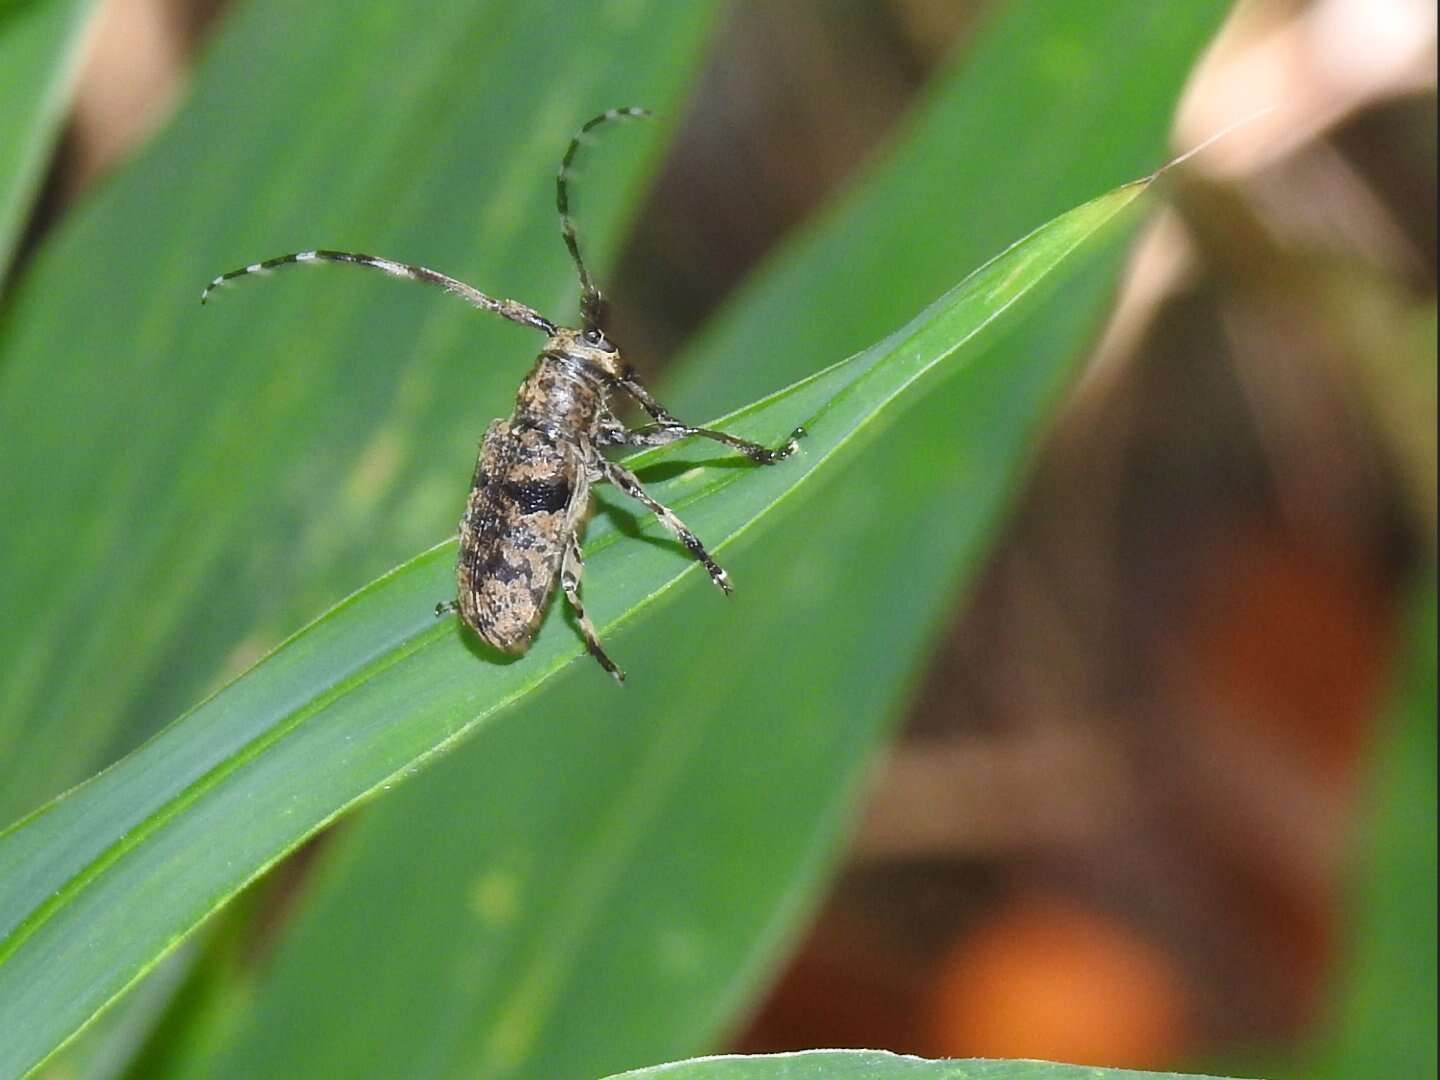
(39, 54)
(100, 884)
(598, 880)
(1386, 1017)
(878, 1065)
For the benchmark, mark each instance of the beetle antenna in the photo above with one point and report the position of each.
(592, 303)
(509, 309)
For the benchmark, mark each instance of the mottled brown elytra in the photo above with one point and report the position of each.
(530, 496)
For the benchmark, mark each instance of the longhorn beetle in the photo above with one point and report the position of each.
(530, 496)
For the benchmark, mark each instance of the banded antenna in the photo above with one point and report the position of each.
(592, 302)
(510, 309)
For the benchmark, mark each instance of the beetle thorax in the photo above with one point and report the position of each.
(561, 392)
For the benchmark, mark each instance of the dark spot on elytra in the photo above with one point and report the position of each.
(538, 496)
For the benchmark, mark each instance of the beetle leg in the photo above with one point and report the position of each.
(627, 482)
(668, 428)
(571, 567)
(672, 431)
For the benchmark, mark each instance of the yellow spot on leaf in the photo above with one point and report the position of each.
(495, 898)
(374, 470)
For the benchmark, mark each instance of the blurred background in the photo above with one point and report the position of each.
(1172, 673)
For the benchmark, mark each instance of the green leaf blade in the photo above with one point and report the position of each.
(177, 828)
(1384, 1012)
(878, 1065)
